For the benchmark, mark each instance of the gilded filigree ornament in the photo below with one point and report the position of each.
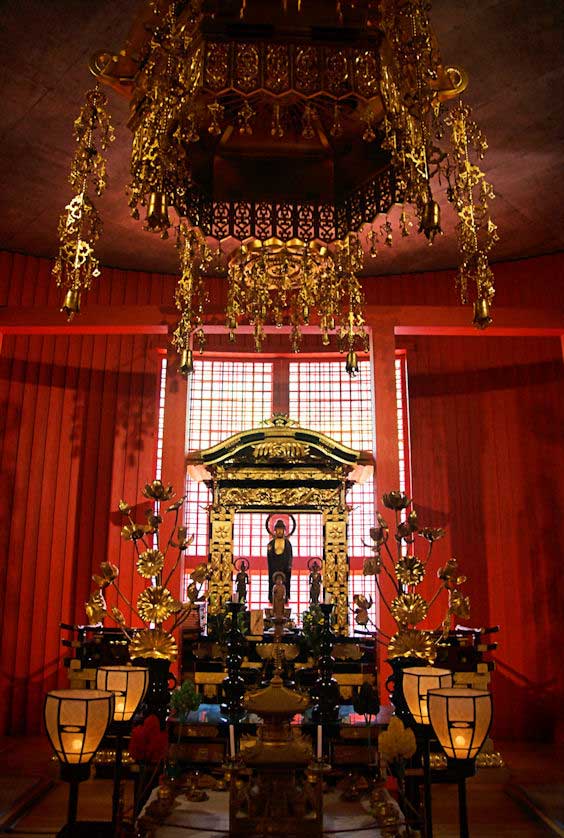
(80, 225)
(193, 91)
(470, 193)
(289, 450)
(155, 604)
(290, 282)
(191, 295)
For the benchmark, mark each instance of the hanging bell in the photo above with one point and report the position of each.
(186, 365)
(157, 219)
(481, 313)
(431, 220)
(351, 364)
(71, 303)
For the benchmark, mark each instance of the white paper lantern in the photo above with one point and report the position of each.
(416, 683)
(76, 721)
(461, 719)
(129, 685)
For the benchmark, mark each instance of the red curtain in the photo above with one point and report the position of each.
(77, 433)
(487, 452)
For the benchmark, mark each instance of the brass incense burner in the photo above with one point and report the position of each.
(277, 743)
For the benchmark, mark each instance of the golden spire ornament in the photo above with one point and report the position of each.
(80, 225)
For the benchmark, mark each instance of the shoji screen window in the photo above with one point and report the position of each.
(323, 397)
(224, 397)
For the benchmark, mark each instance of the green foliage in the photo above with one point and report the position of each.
(185, 699)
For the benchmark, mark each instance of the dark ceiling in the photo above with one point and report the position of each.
(512, 49)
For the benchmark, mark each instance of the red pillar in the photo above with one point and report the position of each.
(383, 354)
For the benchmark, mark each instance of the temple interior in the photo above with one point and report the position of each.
(281, 388)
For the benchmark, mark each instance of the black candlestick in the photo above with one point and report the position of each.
(234, 684)
(325, 691)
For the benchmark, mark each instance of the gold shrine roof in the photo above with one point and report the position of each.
(279, 440)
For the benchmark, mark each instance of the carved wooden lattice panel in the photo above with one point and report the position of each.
(336, 570)
(221, 555)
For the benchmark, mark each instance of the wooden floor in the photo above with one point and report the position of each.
(493, 813)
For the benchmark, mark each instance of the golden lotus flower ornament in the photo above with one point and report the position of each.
(410, 571)
(407, 643)
(155, 604)
(395, 500)
(109, 573)
(150, 563)
(96, 608)
(459, 605)
(153, 643)
(157, 491)
(409, 609)
(406, 571)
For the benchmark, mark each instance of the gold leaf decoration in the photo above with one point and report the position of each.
(132, 532)
(153, 643)
(109, 572)
(200, 573)
(156, 604)
(412, 643)
(459, 605)
(150, 563)
(432, 534)
(449, 575)
(395, 500)
(124, 507)
(117, 614)
(157, 491)
(372, 565)
(410, 571)
(397, 742)
(409, 609)
(96, 608)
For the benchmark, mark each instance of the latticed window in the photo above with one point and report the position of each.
(227, 396)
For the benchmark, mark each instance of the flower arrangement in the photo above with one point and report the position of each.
(148, 743)
(156, 604)
(406, 571)
(312, 621)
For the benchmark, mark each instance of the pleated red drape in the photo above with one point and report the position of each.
(77, 433)
(487, 453)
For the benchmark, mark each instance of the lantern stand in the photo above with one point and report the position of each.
(129, 685)
(76, 721)
(416, 683)
(461, 718)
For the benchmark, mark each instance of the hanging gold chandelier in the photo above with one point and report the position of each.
(286, 130)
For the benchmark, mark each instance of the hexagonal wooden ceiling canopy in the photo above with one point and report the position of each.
(511, 49)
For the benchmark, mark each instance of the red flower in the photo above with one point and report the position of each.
(148, 742)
